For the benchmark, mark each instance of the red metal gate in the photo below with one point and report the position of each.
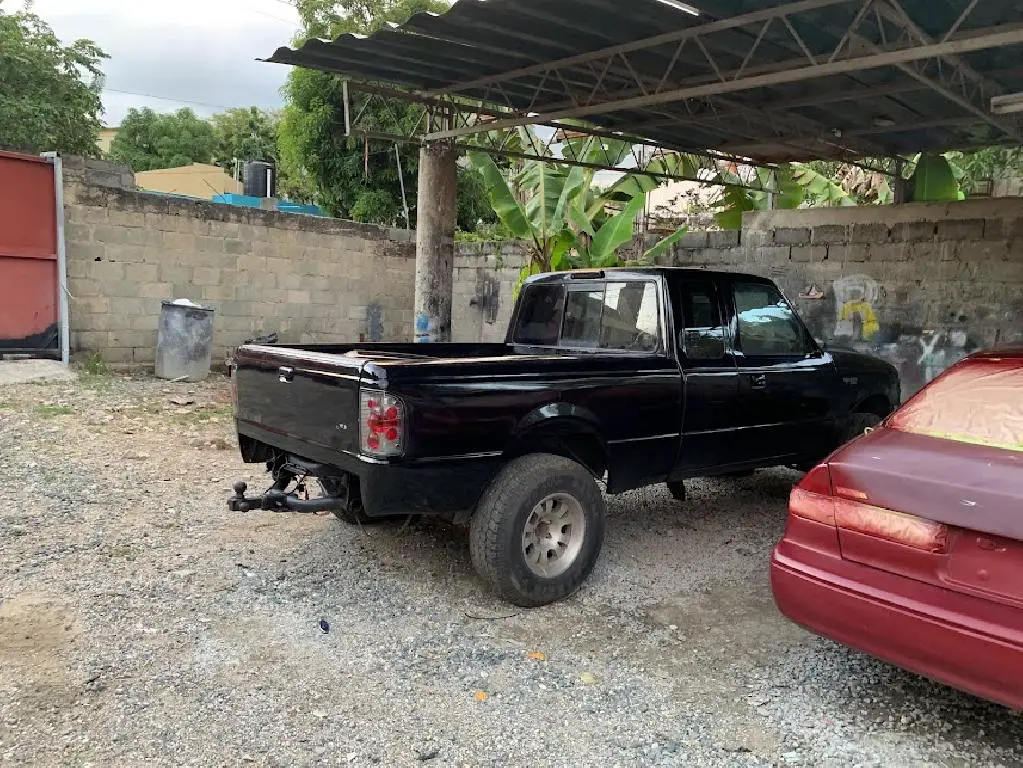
(29, 306)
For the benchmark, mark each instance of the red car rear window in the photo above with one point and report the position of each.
(979, 401)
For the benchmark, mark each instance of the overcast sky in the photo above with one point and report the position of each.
(180, 53)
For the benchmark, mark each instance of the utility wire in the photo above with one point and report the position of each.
(168, 98)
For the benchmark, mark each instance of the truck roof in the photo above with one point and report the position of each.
(596, 274)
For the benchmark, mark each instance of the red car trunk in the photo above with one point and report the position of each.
(974, 490)
(908, 542)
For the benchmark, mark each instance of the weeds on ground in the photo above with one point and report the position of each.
(94, 373)
(205, 415)
(51, 411)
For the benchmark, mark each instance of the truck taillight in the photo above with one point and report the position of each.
(381, 423)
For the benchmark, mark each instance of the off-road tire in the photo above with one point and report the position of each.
(497, 526)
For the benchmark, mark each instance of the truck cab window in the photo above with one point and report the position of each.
(542, 307)
(704, 334)
(582, 318)
(766, 323)
(630, 320)
(615, 316)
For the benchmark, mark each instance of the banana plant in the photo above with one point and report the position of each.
(567, 223)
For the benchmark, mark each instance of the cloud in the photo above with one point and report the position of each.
(195, 53)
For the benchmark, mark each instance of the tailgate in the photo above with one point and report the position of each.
(312, 397)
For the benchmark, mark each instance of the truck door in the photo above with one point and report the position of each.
(784, 381)
(710, 378)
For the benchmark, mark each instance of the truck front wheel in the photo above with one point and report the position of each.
(537, 532)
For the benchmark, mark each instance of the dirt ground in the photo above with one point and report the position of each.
(141, 622)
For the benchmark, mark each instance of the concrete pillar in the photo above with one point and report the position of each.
(435, 241)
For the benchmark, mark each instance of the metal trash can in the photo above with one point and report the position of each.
(184, 341)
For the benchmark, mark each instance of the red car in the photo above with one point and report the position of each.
(907, 543)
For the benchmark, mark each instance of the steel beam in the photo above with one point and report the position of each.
(975, 41)
(650, 42)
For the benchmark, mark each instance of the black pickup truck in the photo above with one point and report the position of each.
(633, 376)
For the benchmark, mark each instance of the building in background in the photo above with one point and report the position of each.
(195, 180)
(106, 138)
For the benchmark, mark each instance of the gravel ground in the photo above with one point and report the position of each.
(141, 623)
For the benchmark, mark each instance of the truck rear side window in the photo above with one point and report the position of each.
(540, 313)
(614, 316)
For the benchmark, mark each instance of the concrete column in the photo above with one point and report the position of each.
(435, 242)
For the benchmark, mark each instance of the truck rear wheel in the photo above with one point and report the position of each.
(537, 532)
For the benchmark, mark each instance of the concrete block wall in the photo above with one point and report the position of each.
(483, 290)
(920, 285)
(309, 279)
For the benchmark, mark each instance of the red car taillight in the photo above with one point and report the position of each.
(812, 498)
(897, 527)
(381, 423)
(845, 508)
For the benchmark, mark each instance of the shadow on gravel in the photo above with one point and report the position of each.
(866, 692)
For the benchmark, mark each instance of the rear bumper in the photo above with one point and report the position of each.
(904, 622)
(439, 487)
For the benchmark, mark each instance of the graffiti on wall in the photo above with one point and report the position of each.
(856, 312)
(855, 298)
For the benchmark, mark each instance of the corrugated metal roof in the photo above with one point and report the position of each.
(880, 110)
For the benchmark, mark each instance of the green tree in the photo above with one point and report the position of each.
(244, 133)
(350, 177)
(148, 140)
(566, 223)
(49, 91)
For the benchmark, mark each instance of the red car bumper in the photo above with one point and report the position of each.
(899, 620)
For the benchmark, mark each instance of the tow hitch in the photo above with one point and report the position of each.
(276, 500)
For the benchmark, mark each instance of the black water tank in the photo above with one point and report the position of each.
(259, 179)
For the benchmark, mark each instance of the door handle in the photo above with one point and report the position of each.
(758, 381)
(286, 373)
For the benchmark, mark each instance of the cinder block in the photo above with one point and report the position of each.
(291, 281)
(770, 254)
(723, 239)
(206, 276)
(986, 250)
(299, 297)
(175, 273)
(909, 231)
(208, 244)
(85, 252)
(126, 219)
(91, 214)
(141, 273)
(217, 292)
(694, 240)
(106, 233)
(829, 233)
(809, 253)
(179, 241)
(884, 252)
(787, 236)
(107, 271)
(86, 287)
(77, 232)
(869, 233)
(963, 229)
(847, 253)
(236, 246)
(89, 340)
(156, 291)
(154, 238)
